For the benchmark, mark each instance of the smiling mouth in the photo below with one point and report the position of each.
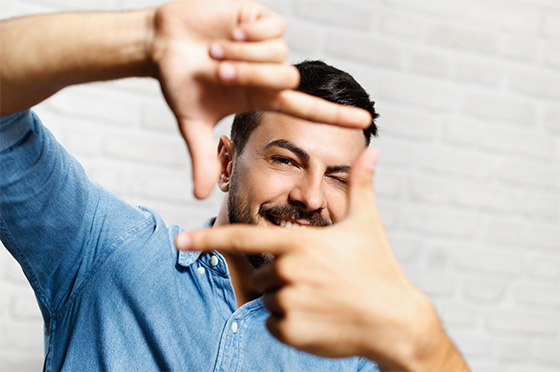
(289, 224)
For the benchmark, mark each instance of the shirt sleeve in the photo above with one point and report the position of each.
(58, 224)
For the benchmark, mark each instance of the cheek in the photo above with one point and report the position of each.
(337, 203)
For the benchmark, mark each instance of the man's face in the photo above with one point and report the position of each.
(292, 174)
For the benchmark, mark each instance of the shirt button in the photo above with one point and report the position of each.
(214, 261)
(234, 327)
(201, 270)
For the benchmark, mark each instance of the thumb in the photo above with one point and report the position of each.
(361, 198)
(205, 167)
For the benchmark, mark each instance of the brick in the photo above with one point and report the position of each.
(511, 351)
(552, 56)
(23, 361)
(437, 258)
(464, 38)
(402, 25)
(522, 48)
(156, 114)
(550, 26)
(459, 315)
(509, 110)
(411, 124)
(519, 323)
(486, 290)
(545, 269)
(302, 37)
(163, 185)
(516, 140)
(478, 71)
(490, 261)
(429, 63)
(461, 130)
(441, 7)
(428, 189)
(547, 352)
(472, 346)
(464, 162)
(15, 274)
(503, 231)
(345, 14)
(20, 335)
(387, 183)
(389, 213)
(538, 295)
(107, 174)
(25, 307)
(421, 92)
(393, 152)
(82, 5)
(83, 139)
(552, 119)
(502, 16)
(108, 106)
(545, 84)
(446, 223)
(406, 249)
(433, 284)
(535, 204)
(543, 235)
(365, 49)
(529, 173)
(144, 148)
(484, 197)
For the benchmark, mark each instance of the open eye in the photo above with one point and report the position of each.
(282, 160)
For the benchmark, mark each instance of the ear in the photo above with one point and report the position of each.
(226, 154)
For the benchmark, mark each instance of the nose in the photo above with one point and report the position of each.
(308, 194)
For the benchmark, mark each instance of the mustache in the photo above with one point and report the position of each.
(291, 212)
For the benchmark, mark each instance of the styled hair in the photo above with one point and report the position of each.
(317, 79)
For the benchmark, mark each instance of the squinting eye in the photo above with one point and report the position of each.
(282, 160)
(342, 181)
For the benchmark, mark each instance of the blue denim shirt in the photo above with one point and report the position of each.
(114, 292)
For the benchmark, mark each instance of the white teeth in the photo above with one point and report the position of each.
(291, 225)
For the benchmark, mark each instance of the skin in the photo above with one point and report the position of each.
(212, 58)
(285, 162)
(231, 51)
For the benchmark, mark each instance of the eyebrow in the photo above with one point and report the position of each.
(285, 144)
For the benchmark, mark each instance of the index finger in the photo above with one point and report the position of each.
(239, 238)
(316, 109)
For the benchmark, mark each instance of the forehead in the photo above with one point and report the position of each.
(332, 144)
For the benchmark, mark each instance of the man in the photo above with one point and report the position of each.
(114, 293)
(113, 290)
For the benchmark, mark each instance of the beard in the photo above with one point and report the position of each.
(239, 212)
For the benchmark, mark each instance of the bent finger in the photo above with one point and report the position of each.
(257, 26)
(265, 51)
(272, 76)
(316, 109)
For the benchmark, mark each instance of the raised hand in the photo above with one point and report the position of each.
(217, 57)
(339, 291)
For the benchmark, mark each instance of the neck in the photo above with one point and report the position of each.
(240, 270)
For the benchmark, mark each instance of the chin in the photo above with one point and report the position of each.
(259, 260)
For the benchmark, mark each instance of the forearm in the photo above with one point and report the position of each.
(419, 341)
(43, 54)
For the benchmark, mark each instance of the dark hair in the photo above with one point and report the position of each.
(320, 80)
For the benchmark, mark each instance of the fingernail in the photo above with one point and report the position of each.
(239, 34)
(217, 51)
(372, 158)
(183, 241)
(227, 72)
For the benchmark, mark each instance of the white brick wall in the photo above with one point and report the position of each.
(469, 176)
